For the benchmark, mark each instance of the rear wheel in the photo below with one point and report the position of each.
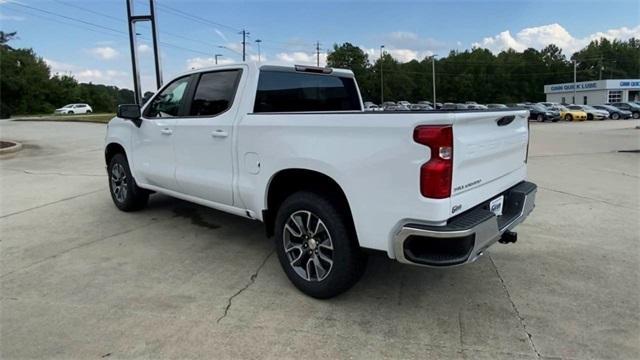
(126, 194)
(636, 115)
(589, 117)
(88, 111)
(568, 117)
(540, 118)
(615, 116)
(316, 245)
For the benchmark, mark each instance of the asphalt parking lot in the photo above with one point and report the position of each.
(81, 280)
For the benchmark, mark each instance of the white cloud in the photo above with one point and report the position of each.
(201, 62)
(540, 36)
(119, 78)
(105, 52)
(222, 35)
(402, 55)
(144, 48)
(301, 58)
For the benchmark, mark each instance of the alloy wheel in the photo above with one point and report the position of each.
(308, 246)
(119, 182)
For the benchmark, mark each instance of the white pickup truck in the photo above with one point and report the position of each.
(292, 147)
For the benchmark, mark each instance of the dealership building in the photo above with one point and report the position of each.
(594, 92)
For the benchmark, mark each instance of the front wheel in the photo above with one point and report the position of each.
(615, 116)
(540, 118)
(636, 115)
(316, 245)
(568, 117)
(126, 194)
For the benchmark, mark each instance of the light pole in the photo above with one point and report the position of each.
(433, 77)
(575, 65)
(258, 41)
(381, 76)
(216, 56)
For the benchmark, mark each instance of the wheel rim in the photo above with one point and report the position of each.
(540, 118)
(308, 246)
(119, 182)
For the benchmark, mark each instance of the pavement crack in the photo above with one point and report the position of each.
(252, 280)
(47, 258)
(31, 172)
(515, 309)
(51, 203)
(587, 198)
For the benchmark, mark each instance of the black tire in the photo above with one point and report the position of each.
(615, 116)
(540, 118)
(568, 117)
(70, 112)
(636, 115)
(88, 111)
(589, 117)
(125, 193)
(348, 260)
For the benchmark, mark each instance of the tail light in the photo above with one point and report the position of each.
(436, 174)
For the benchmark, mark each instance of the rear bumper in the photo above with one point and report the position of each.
(465, 236)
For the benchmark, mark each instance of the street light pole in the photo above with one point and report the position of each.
(216, 56)
(433, 77)
(381, 76)
(258, 41)
(575, 65)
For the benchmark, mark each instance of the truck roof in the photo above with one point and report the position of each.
(270, 64)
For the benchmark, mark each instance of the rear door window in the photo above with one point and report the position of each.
(288, 91)
(215, 92)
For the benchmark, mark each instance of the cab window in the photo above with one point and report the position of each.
(215, 92)
(169, 101)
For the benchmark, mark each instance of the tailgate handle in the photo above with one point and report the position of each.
(505, 120)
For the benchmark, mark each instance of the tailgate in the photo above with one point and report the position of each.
(489, 155)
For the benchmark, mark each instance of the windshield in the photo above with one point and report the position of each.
(67, 106)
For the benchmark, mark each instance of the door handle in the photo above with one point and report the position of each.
(166, 131)
(219, 134)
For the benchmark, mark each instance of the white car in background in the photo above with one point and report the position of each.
(75, 109)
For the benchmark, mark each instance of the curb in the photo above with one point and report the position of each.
(11, 149)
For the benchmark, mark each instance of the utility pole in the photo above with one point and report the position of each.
(318, 53)
(433, 77)
(381, 76)
(258, 41)
(244, 44)
(216, 56)
(575, 66)
(132, 20)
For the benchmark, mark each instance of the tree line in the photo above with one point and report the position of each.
(479, 75)
(27, 85)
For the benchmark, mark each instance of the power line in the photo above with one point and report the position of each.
(196, 18)
(115, 32)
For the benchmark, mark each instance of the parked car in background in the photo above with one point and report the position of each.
(572, 115)
(369, 106)
(540, 113)
(614, 112)
(496, 106)
(454, 106)
(629, 106)
(476, 106)
(420, 107)
(74, 109)
(404, 103)
(592, 113)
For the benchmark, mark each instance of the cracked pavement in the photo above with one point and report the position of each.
(79, 279)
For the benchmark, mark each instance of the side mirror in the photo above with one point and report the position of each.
(130, 112)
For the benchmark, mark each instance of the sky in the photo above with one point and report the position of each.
(88, 39)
